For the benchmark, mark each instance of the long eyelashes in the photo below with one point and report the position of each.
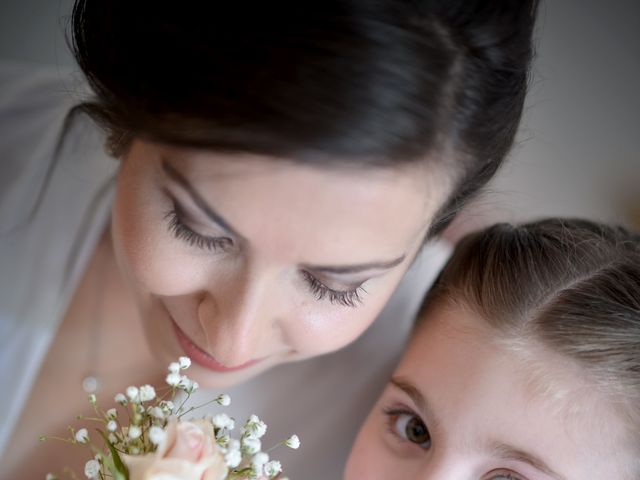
(348, 298)
(183, 232)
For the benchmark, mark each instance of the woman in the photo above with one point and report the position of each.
(279, 171)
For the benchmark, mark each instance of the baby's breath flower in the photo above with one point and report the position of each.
(250, 445)
(92, 399)
(157, 435)
(112, 438)
(147, 393)
(185, 362)
(111, 414)
(92, 469)
(121, 399)
(156, 412)
(223, 438)
(133, 393)
(173, 379)
(224, 400)
(134, 432)
(133, 450)
(82, 436)
(112, 426)
(174, 367)
(293, 442)
(192, 387)
(50, 476)
(272, 468)
(254, 427)
(233, 458)
(223, 421)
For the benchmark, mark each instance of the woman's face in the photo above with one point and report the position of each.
(243, 263)
(461, 407)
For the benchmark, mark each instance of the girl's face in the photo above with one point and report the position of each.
(460, 407)
(243, 262)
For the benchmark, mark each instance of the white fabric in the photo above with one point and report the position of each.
(45, 246)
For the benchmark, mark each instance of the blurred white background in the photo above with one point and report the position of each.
(579, 147)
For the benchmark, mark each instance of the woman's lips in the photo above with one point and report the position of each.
(203, 358)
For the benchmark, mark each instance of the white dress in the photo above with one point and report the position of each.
(53, 209)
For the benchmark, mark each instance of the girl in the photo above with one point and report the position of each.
(279, 167)
(524, 363)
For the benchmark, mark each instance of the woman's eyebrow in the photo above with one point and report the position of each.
(344, 269)
(508, 452)
(198, 200)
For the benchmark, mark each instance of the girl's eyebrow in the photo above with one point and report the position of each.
(198, 200)
(416, 396)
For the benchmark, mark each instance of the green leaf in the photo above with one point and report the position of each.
(120, 470)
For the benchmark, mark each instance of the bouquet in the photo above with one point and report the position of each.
(148, 438)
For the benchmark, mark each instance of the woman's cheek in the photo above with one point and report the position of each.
(152, 259)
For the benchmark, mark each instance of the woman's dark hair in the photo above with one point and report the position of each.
(572, 286)
(344, 82)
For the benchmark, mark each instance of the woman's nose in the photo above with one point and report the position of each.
(239, 320)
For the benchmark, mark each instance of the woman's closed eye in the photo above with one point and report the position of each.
(408, 427)
(185, 233)
(347, 298)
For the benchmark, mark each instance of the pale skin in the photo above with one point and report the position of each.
(236, 253)
(461, 407)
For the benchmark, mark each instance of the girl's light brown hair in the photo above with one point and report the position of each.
(571, 285)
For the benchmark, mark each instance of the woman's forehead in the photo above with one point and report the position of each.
(382, 211)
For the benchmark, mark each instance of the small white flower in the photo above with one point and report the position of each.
(254, 427)
(173, 379)
(92, 399)
(134, 450)
(223, 438)
(111, 414)
(233, 458)
(167, 406)
(192, 387)
(147, 393)
(156, 412)
(222, 420)
(157, 435)
(132, 393)
(251, 445)
(272, 468)
(92, 469)
(174, 367)
(112, 426)
(121, 399)
(82, 436)
(134, 432)
(293, 442)
(260, 459)
(50, 476)
(185, 362)
(224, 400)
(112, 438)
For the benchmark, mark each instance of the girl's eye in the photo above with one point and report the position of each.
(409, 427)
(348, 298)
(183, 232)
